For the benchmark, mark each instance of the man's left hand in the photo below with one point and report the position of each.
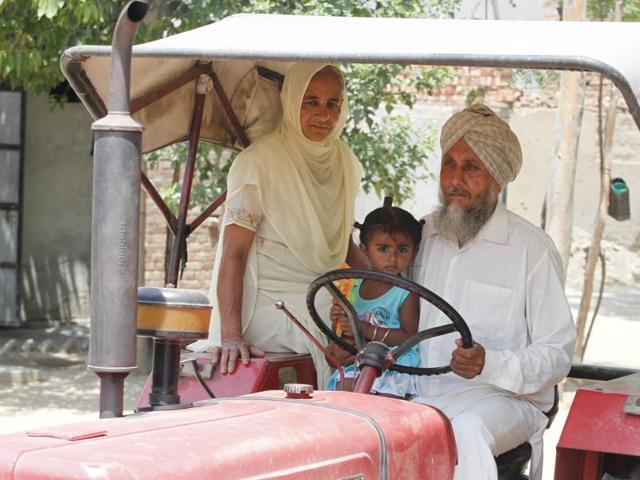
(467, 362)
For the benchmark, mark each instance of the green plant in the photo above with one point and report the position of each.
(212, 165)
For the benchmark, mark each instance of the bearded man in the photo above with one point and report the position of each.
(504, 276)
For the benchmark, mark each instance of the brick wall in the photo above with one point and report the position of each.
(501, 87)
(200, 244)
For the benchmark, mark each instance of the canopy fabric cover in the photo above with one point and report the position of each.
(238, 43)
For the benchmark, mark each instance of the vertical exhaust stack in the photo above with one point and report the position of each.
(114, 231)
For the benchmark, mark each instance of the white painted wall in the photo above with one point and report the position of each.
(56, 235)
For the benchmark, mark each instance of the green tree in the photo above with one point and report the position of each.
(33, 33)
(604, 10)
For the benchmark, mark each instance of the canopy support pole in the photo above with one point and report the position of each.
(177, 249)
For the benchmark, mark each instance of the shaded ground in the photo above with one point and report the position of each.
(67, 392)
(616, 333)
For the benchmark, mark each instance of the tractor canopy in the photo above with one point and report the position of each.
(165, 70)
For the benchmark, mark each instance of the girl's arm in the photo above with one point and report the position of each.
(409, 316)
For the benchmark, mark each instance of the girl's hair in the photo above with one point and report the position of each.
(391, 220)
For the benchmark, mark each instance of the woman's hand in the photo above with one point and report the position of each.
(232, 348)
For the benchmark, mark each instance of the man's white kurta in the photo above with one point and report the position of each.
(507, 285)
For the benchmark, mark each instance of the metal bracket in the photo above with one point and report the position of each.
(632, 405)
(204, 85)
(188, 369)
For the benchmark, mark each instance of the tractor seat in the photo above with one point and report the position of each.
(173, 314)
(511, 464)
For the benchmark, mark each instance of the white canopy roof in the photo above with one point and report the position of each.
(234, 45)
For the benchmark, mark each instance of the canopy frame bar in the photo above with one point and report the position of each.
(179, 227)
(89, 96)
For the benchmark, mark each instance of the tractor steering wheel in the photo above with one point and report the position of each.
(326, 280)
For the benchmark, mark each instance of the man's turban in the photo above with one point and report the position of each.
(490, 138)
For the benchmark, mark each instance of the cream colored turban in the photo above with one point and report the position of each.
(490, 138)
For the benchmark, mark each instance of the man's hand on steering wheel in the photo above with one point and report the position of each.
(467, 362)
(231, 349)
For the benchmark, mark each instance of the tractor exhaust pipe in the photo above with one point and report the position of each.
(114, 231)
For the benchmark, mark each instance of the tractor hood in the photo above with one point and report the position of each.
(336, 435)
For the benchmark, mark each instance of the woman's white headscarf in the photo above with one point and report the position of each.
(310, 194)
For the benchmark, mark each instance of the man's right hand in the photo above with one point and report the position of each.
(231, 349)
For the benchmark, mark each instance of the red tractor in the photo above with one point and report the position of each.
(193, 422)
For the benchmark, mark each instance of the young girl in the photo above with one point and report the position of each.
(389, 239)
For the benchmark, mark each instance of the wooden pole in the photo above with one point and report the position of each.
(605, 140)
(559, 201)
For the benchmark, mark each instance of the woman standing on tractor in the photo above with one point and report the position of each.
(288, 217)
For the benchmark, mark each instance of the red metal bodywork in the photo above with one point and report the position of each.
(335, 435)
(259, 375)
(598, 435)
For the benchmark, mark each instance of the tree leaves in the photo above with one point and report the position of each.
(48, 8)
(33, 34)
(604, 10)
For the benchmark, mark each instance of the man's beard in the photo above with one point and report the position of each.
(461, 225)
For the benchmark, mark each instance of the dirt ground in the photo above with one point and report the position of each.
(66, 392)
